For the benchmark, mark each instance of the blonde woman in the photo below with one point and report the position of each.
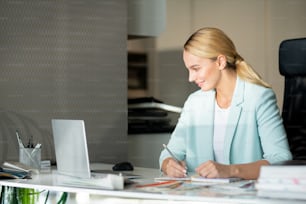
(232, 125)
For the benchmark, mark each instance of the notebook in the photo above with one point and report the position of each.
(197, 178)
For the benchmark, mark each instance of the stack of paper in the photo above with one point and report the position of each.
(103, 181)
(282, 181)
(14, 169)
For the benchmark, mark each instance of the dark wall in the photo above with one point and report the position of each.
(63, 59)
(173, 78)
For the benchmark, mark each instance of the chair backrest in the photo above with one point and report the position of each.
(292, 65)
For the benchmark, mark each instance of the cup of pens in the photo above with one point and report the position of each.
(29, 154)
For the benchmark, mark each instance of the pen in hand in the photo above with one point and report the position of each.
(172, 155)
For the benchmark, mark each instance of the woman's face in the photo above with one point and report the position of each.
(202, 71)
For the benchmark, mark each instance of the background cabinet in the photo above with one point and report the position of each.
(144, 149)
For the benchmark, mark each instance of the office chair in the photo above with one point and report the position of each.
(292, 65)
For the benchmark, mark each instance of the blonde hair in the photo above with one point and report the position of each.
(211, 42)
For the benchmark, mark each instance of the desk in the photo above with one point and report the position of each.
(47, 181)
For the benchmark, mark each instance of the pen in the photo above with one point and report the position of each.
(172, 155)
(19, 140)
(30, 143)
(156, 184)
(36, 149)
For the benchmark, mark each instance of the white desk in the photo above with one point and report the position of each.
(48, 181)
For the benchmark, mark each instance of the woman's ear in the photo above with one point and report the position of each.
(221, 59)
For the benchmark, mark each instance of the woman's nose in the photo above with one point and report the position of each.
(191, 77)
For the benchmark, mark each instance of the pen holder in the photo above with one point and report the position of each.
(30, 157)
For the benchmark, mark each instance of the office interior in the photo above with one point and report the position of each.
(68, 59)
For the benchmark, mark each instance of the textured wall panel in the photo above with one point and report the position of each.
(63, 59)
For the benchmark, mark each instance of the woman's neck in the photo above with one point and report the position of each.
(225, 89)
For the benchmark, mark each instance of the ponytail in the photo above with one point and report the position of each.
(247, 73)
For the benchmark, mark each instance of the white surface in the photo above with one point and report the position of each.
(48, 180)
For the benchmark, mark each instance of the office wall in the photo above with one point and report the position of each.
(63, 59)
(256, 27)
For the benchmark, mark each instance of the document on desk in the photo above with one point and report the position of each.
(109, 181)
(197, 178)
(214, 180)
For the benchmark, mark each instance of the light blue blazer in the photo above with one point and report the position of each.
(254, 131)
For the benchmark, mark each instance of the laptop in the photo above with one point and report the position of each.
(71, 150)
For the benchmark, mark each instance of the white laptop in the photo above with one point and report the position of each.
(72, 157)
(71, 150)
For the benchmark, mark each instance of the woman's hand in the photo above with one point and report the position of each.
(172, 168)
(212, 169)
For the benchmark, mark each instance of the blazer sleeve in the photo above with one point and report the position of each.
(192, 138)
(177, 141)
(271, 129)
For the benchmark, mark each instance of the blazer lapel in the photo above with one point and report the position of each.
(233, 118)
(206, 116)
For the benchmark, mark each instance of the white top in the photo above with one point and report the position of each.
(220, 122)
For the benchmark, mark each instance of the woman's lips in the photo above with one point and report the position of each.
(200, 84)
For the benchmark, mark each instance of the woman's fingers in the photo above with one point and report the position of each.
(175, 169)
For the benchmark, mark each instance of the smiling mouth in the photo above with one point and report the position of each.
(200, 83)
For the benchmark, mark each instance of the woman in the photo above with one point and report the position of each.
(232, 126)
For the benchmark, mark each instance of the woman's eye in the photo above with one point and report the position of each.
(196, 68)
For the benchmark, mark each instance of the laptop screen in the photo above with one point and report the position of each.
(71, 147)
